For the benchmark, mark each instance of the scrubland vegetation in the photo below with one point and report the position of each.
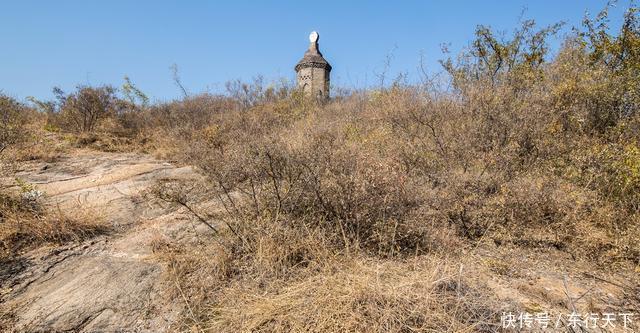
(360, 214)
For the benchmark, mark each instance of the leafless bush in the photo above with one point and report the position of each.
(82, 110)
(250, 94)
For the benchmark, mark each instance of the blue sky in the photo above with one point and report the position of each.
(65, 43)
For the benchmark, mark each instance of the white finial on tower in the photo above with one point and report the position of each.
(313, 37)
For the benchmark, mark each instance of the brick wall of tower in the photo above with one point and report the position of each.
(314, 81)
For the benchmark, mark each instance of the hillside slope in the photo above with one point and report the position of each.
(115, 282)
(109, 282)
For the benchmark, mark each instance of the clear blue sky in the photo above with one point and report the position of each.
(65, 43)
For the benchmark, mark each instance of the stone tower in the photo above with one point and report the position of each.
(312, 71)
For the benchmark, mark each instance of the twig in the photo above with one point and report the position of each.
(566, 292)
(186, 301)
(604, 280)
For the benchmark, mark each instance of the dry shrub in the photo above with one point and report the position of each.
(83, 110)
(47, 148)
(389, 174)
(537, 211)
(336, 216)
(13, 119)
(20, 130)
(271, 275)
(26, 136)
(324, 168)
(610, 168)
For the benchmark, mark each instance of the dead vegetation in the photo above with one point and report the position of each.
(26, 224)
(361, 295)
(355, 215)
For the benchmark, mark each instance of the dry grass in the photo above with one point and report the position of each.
(290, 278)
(361, 295)
(25, 224)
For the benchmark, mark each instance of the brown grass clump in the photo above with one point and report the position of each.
(361, 295)
(25, 224)
(258, 253)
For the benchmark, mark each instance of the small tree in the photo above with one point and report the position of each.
(619, 57)
(129, 110)
(498, 60)
(82, 110)
(132, 94)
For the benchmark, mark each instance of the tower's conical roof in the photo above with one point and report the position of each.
(313, 57)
